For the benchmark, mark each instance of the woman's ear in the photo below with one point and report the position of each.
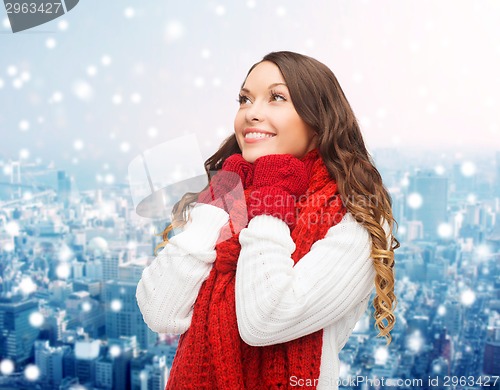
(313, 141)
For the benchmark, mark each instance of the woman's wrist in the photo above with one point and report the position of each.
(202, 230)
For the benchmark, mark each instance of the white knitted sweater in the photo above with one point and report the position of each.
(329, 288)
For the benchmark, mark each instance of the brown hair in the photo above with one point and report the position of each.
(321, 103)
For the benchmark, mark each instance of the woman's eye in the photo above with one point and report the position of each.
(243, 99)
(277, 97)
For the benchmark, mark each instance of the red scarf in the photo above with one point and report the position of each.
(211, 354)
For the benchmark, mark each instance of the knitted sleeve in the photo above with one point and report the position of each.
(170, 284)
(277, 302)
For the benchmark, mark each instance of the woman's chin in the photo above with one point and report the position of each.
(250, 156)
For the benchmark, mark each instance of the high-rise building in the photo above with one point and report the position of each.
(453, 317)
(123, 317)
(54, 324)
(86, 354)
(491, 365)
(77, 269)
(93, 269)
(137, 365)
(85, 312)
(462, 183)
(60, 290)
(17, 335)
(155, 376)
(122, 352)
(431, 190)
(50, 362)
(94, 287)
(110, 263)
(104, 373)
(63, 187)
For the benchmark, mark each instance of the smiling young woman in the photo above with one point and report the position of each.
(272, 305)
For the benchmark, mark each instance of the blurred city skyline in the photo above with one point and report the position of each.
(70, 261)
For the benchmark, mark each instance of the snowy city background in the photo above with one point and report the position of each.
(83, 95)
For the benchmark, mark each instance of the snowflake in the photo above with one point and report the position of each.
(468, 168)
(116, 305)
(6, 367)
(415, 200)
(36, 319)
(32, 372)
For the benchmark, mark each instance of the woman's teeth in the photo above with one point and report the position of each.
(258, 135)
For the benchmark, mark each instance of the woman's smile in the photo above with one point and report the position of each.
(254, 135)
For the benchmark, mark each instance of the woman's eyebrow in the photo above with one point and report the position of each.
(270, 87)
(275, 85)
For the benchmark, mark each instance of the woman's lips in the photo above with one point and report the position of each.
(255, 140)
(250, 133)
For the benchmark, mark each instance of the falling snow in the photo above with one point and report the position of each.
(115, 351)
(12, 228)
(381, 355)
(32, 372)
(152, 132)
(415, 200)
(445, 230)
(106, 60)
(11, 70)
(27, 285)
(6, 366)
(50, 43)
(116, 305)
(136, 98)
(440, 170)
(36, 319)
(468, 168)
(124, 147)
(63, 25)
(117, 99)
(91, 70)
(467, 297)
(24, 125)
(78, 144)
(57, 97)
(173, 31)
(415, 342)
(82, 90)
(129, 12)
(63, 271)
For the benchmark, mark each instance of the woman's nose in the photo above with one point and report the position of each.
(255, 113)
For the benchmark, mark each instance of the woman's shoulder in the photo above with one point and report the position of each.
(350, 224)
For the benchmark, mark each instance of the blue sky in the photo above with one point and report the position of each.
(91, 90)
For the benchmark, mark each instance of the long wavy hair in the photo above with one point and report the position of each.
(321, 103)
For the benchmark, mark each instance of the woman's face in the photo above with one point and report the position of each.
(266, 122)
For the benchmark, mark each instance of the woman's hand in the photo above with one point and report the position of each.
(278, 181)
(235, 170)
(226, 191)
(237, 164)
